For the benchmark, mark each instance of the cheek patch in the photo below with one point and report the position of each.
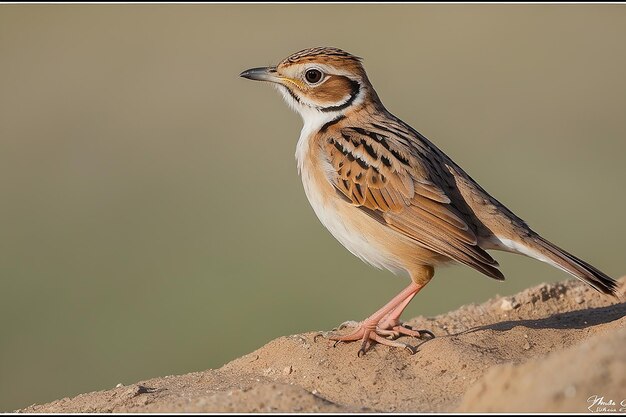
(336, 90)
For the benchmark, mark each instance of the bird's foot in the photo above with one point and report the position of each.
(368, 335)
(384, 325)
(384, 333)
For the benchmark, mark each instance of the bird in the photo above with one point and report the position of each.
(390, 196)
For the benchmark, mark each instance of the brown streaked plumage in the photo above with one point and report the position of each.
(389, 195)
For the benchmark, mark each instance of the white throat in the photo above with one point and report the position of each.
(313, 119)
(313, 122)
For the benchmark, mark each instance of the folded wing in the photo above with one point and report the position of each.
(385, 175)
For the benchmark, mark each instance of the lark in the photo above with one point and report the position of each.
(390, 196)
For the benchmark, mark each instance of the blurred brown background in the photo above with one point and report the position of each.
(153, 222)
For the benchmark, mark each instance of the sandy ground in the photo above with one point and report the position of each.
(550, 348)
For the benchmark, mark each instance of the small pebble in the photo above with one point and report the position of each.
(506, 305)
(120, 385)
(526, 345)
(509, 304)
(287, 370)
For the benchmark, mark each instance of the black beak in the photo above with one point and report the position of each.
(261, 74)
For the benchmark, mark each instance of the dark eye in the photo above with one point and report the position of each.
(313, 76)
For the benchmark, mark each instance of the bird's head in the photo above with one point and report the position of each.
(318, 81)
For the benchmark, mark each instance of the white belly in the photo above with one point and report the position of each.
(345, 230)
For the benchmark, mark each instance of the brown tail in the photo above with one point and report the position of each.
(576, 267)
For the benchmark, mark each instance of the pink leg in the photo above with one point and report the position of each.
(391, 327)
(393, 318)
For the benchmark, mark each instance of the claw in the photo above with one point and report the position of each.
(363, 349)
(411, 349)
(422, 332)
(349, 323)
(320, 334)
(428, 332)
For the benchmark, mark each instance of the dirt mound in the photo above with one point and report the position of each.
(550, 348)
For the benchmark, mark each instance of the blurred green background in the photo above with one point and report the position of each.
(153, 222)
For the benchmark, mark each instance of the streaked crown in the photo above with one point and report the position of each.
(327, 54)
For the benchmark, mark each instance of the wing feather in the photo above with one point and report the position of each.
(384, 171)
